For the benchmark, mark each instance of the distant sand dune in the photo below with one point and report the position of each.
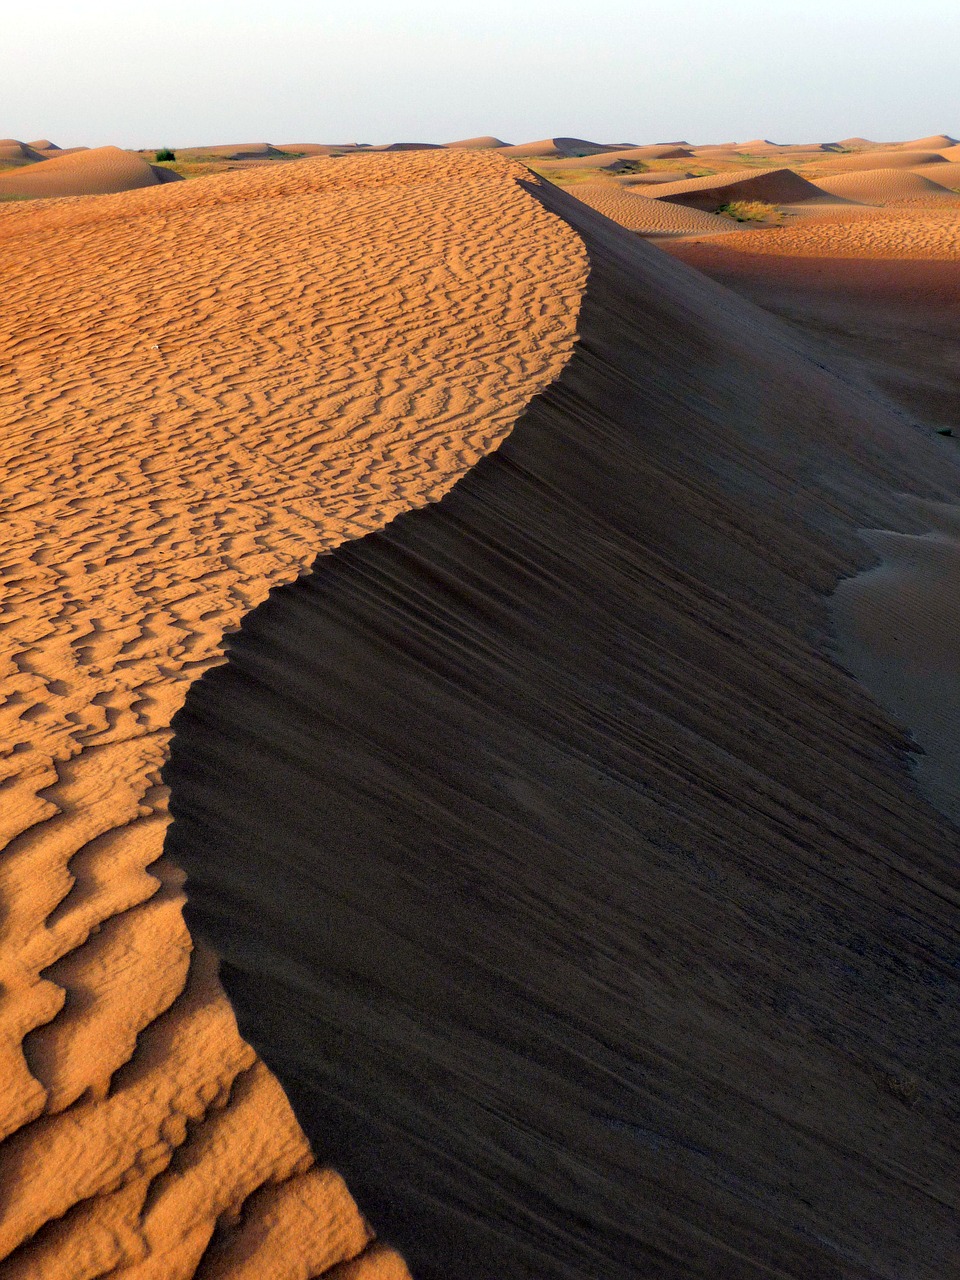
(486, 142)
(877, 185)
(565, 148)
(935, 142)
(208, 385)
(102, 171)
(13, 152)
(885, 158)
(776, 186)
(647, 216)
(233, 151)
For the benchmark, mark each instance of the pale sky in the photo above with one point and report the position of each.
(179, 74)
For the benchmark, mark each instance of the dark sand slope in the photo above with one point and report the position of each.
(584, 907)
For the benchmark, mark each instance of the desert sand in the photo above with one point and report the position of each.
(543, 636)
(100, 171)
(553, 793)
(650, 217)
(207, 384)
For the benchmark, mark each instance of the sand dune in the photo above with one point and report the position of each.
(660, 151)
(565, 148)
(485, 143)
(20, 153)
(943, 175)
(101, 171)
(935, 142)
(775, 186)
(856, 143)
(43, 144)
(207, 384)
(234, 151)
(581, 900)
(649, 217)
(315, 148)
(760, 146)
(879, 185)
(890, 158)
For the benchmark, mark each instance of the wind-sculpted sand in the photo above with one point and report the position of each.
(879, 186)
(571, 886)
(203, 386)
(101, 171)
(646, 216)
(777, 186)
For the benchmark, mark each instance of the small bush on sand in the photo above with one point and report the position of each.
(750, 211)
(165, 154)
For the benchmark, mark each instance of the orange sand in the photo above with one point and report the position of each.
(553, 855)
(882, 185)
(102, 171)
(775, 186)
(646, 216)
(205, 385)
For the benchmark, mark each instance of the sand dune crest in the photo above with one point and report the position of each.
(305, 350)
(552, 793)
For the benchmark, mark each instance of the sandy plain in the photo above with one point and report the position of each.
(556, 866)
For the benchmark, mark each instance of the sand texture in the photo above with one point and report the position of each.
(203, 386)
(101, 171)
(897, 628)
(877, 186)
(775, 186)
(887, 158)
(584, 905)
(646, 216)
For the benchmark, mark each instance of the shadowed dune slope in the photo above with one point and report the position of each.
(583, 905)
(304, 351)
(101, 171)
(778, 186)
(562, 147)
(21, 153)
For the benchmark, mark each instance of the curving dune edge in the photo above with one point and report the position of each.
(210, 383)
(583, 904)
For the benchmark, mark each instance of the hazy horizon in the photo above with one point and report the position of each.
(182, 75)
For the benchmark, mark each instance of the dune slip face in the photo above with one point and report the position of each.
(202, 386)
(583, 904)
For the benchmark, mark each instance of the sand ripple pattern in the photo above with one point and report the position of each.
(931, 232)
(649, 217)
(204, 385)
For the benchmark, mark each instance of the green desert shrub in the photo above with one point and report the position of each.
(165, 154)
(750, 211)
